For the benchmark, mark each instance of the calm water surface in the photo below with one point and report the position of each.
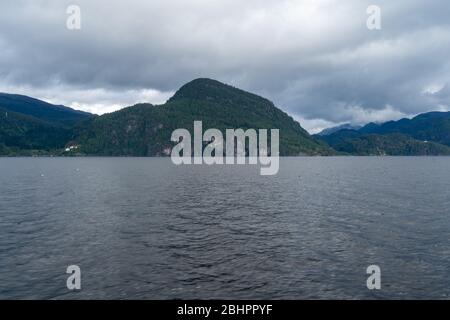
(142, 228)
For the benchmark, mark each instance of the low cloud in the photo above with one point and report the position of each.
(315, 59)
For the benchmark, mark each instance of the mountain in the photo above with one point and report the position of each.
(22, 132)
(425, 134)
(346, 126)
(29, 126)
(55, 114)
(32, 127)
(145, 129)
(393, 144)
(431, 126)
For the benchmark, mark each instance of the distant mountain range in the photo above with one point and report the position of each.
(33, 127)
(328, 131)
(425, 134)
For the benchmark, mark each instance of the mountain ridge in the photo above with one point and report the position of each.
(424, 134)
(56, 114)
(29, 126)
(145, 129)
(328, 131)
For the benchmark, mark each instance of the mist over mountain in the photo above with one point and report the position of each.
(331, 130)
(425, 134)
(431, 126)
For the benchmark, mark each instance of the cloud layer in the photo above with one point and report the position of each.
(315, 59)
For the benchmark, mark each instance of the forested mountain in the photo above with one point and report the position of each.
(30, 126)
(345, 126)
(431, 126)
(41, 110)
(425, 134)
(145, 129)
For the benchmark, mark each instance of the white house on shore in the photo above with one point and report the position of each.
(71, 148)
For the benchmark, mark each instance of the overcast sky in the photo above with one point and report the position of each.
(315, 59)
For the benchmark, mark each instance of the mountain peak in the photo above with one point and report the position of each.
(345, 126)
(204, 82)
(215, 91)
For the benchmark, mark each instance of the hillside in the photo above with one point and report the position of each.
(431, 126)
(30, 126)
(145, 129)
(394, 144)
(19, 132)
(425, 134)
(41, 110)
(345, 126)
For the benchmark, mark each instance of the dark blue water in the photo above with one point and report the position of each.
(144, 228)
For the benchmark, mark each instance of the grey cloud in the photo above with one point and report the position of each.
(314, 59)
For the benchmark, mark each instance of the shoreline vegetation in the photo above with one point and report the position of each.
(33, 128)
(337, 155)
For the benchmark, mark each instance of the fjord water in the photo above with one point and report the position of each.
(144, 228)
